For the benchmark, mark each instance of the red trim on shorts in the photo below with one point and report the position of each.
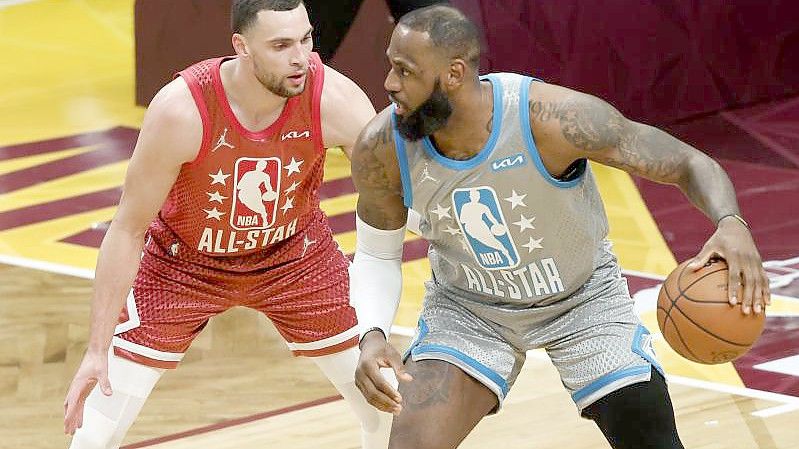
(199, 100)
(316, 102)
(352, 342)
(142, 360)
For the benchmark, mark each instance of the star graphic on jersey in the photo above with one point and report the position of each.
(524, 223)
(292, 187)
(216, 196)
(293, 167)
(214, 213)
(533, 244)
(452, 231)
(516, 200)
(441, 211)
(219, 177)
(306, 242)
(289, 204)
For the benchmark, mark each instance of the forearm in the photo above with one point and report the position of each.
(117, 265)
(376, 288)
(376, 276)
(709, 188)
(656, 155)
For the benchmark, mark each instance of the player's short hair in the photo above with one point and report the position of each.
(449, 30)
(244, 12)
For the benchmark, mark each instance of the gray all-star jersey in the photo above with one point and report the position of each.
(501, 228)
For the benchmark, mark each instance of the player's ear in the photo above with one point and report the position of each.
(456, 74)
(240, 45)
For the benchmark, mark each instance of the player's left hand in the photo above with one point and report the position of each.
(733, 242)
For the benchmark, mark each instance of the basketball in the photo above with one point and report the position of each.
(269, 195)
(697, 320)
(497, 229)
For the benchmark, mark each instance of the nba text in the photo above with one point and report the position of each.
(221, 241)
(535, 279)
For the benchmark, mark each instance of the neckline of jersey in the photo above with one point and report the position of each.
(488, 148)
(231, 116)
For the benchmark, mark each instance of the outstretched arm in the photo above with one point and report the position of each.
(171, 135)
(588, 127)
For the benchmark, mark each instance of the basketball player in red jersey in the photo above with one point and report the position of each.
(220, 209)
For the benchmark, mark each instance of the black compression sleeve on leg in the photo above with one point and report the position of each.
(638, 416)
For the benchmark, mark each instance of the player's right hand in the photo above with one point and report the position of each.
(733, 242)
(377, 353)
(93, 370)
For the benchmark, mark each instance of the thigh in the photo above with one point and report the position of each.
(170, 303)
(310, 304)
(450, 332)
(440, 406)
(603, 347)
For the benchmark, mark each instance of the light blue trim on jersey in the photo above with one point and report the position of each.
(496, 126)
(529, 140)
(640, 332)
(607, 379)
(472, 363)
(402, 160)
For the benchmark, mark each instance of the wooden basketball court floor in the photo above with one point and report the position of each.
(68, 126)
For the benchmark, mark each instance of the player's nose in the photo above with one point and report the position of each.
(391, 83)
(299, 56)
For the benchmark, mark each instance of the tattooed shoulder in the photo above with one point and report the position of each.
(375, 172)
(587, 122)
(372, 152)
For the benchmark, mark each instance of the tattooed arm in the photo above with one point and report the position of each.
(376, 270)
(375, 172)
(570, 125)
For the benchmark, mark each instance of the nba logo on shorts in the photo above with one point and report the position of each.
(255, 193)
(484, 227)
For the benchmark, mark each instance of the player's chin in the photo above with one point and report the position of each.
(295, 85)
(293, 91)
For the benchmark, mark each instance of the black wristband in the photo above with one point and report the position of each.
(370, 330)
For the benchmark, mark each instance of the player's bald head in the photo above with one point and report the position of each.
(449, 32)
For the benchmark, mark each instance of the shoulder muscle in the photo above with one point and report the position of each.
(345, 110)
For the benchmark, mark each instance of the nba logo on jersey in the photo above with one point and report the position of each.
(255, 193)
(480, 217)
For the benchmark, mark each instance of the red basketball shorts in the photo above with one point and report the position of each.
(302, 285)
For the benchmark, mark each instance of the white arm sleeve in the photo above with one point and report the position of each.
(376, 276)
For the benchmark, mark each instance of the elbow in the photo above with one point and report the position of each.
(697, 166)
(128, 230)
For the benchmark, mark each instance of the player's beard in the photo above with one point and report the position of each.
(276, 84)
(428, 118)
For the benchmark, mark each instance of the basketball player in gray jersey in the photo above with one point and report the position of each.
(496, 169)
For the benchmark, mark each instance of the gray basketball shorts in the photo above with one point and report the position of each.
(593, 337)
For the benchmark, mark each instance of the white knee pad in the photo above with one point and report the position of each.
(340, 370)
(106, 419)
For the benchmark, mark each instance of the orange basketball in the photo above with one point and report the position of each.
(697, 320)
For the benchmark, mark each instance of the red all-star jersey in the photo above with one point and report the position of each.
(247, 189)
